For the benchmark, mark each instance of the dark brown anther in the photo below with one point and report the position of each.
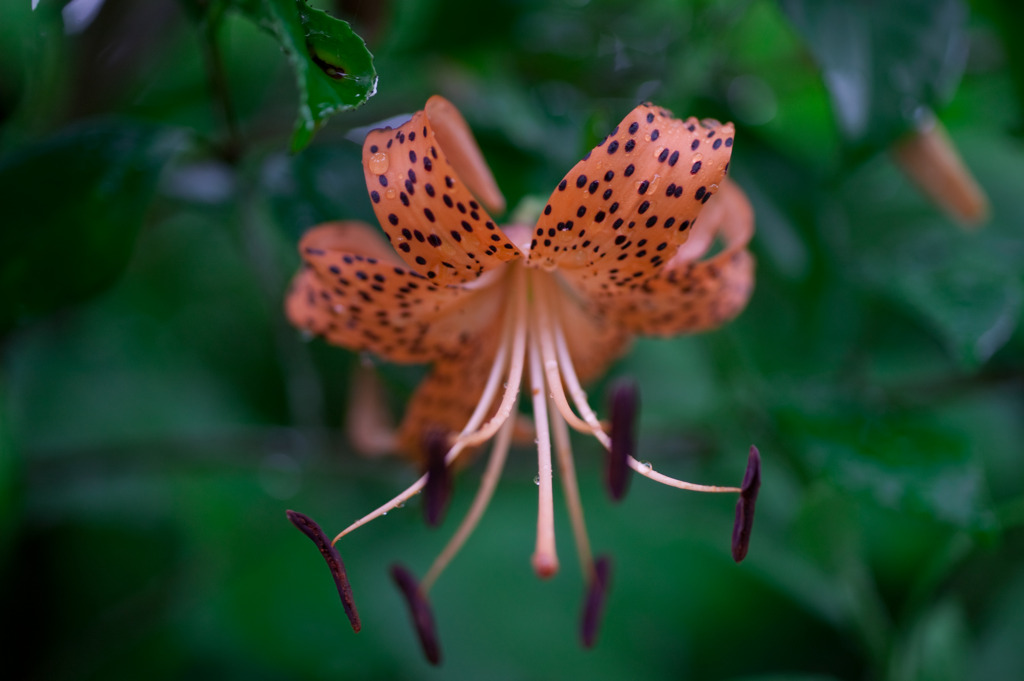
(593, 606)
(333, 558)
(438, 488)
(419, 608)
(625, 403)
(745, 506)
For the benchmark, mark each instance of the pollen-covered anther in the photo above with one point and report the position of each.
(310, 528)
(625, 403)
(593, 604)
(438, 486)
(421, 612)
(745, 506)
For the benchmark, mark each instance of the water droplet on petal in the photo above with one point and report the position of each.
(378, 163)
(536, 480)
(390, 194)
(646, 464)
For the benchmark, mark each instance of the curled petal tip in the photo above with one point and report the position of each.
(593, 606)
(422, 615)
(438, 487)
(625, 402)
(309, 527)
(745, 506)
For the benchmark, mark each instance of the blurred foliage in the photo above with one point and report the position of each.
(157, 414)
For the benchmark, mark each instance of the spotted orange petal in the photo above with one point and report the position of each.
(690, 294)
(621, 213)
(357, 294)
(421, 178)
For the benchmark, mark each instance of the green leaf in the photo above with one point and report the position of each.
(898, 461)
(935, 649)
(972, 303)
(885, 64)
(11, 476)
(73, 206)
(333, 69)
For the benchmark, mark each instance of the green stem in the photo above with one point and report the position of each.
(231, 148)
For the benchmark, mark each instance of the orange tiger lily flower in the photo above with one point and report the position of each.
(620, 249)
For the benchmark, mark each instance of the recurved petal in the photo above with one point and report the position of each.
(691, 294)
(427, 209)
(357, 294)
(621, 212)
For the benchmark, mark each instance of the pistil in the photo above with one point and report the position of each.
(545, 555)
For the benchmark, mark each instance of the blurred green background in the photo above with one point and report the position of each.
(158, 415)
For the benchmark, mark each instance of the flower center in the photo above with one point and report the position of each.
(533, 345)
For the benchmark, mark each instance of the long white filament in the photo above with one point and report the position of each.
(541, 338)
(495, 464)
(579, 398)
(513, 336)
(545, 327)
(571, 489)
(517, 332)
